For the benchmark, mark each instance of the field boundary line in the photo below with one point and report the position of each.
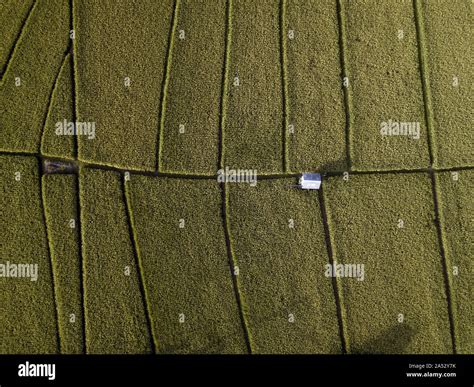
(138, 262)
(113, 166)
(19, 36)
(74, 94)
(428, 112)
(444, 260)
(334, 281)
(233, 263)
(179, 175)
(284, 84)
(81, 260)
(50, 255)
(25, 153)
(225, 83)
(341, 19)
(425, 83)
(82, 264)
(107, 167)
(74, 75)
(50, 101)
(165, 82)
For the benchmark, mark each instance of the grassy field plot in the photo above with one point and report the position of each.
(115, 315)
(316, 139)
(193, 100)
(60, 201)
(386, 223)
(26, 86)
(254, 108)
(279, 246)
(55, 142)
(27, 308)
(457, 217)
(150, 153)
(120, 56)
(388, 129)
(12, 17)
(450, 60)
(180, 238)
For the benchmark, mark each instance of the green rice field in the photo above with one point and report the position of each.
(150, 157)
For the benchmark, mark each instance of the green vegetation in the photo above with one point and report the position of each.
(113, 44)
(182, 250)
(253, 109)
(448, 34)
(27, 309)
(316, 102)
(194, 92)
(457, 214)
(114, 310)
(386, 222)
(60, 109)
(27, 84)
(140, 250)
(384, 79)
(13, 14)
(278, 243)
(60, 201)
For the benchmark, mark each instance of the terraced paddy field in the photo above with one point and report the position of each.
(457, 210)
(387, 224)
(121, 234)
(278, 244)
(62, 223)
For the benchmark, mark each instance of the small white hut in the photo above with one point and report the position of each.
(310, 181)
